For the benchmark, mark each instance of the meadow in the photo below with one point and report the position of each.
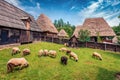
(47, 68)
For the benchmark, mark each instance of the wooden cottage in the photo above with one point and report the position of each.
(46, 26)
(16, 25)
(62, 34)
(97, 27)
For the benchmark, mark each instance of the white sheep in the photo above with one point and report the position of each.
(26, 52)
(66, 44)
(52, 53)
(15, 62)
(40, 53)
(45, 52)
(15, 50)
(63, 49)
(72, 54)
(97, 55)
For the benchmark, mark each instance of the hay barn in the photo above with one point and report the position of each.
(96, 26)
(16, 26)
(47, 27)
(62, 34)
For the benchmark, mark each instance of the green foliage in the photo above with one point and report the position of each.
(117, 28)
(60, 24)
(118, 39)
(84, 35)
(46, 68)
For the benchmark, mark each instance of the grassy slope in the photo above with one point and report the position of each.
(46, 68)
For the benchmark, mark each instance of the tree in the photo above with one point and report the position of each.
(84, 35)
(60, 24)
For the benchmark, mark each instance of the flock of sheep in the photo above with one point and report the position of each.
(22, 62)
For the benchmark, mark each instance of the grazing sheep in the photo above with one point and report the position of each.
(16, 62)
(40, 53)
(26, 52)
(52, 53)
(66, 44)
(97, 55)
(63, 49)
(117, 75)
(64, 60)
(45, 52)
(72, 54)
(68, 51)
(15, 50)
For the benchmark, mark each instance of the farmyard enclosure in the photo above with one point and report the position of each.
(47, 68)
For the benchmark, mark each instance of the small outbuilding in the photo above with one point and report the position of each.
(62, 34)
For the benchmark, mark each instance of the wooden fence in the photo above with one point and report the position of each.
(94, 45)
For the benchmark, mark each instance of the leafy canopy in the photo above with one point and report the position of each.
(84, 35)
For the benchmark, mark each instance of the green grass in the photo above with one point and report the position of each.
(46, 68)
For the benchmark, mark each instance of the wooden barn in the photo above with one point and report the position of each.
(97, 27)
(16, 26)
(46, 26)
(62, 34)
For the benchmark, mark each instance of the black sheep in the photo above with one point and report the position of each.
(64, 60)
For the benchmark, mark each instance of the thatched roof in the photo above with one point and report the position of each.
(11, 16)
(62, 33)
(46, 24)
(77, 29)
(96, 25)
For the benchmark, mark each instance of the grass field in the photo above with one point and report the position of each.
(46, 68)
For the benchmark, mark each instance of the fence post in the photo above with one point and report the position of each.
(105, 47)
(86, 44)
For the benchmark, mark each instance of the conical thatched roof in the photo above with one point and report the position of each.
(62, 33)
(46, 24)
(95, 25)
(11, 16)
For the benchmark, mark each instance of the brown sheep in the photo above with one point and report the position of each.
(26, 52)
(15, 50)
(97, 55)
(64, 60)
(117, 75)
(40, 53)
(72, 54)
(52, 53)
(15, 62)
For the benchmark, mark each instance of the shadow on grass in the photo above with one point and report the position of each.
(104, 74)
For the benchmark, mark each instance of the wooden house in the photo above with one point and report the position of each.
(16, 25)
(62, 34)
(97, 27)
(46, 26)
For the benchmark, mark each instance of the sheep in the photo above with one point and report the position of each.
(68, 51)
(40, 53)
(45, 52)
(72, 54)
(16, 62)
(66, 44)
(26, 52)
(52, 53)
(97, 55)
(117, 75)
(64, 60)
(15, 50)
(63, 49)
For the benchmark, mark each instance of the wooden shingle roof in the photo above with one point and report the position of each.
(46, 24)
(10, 16)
